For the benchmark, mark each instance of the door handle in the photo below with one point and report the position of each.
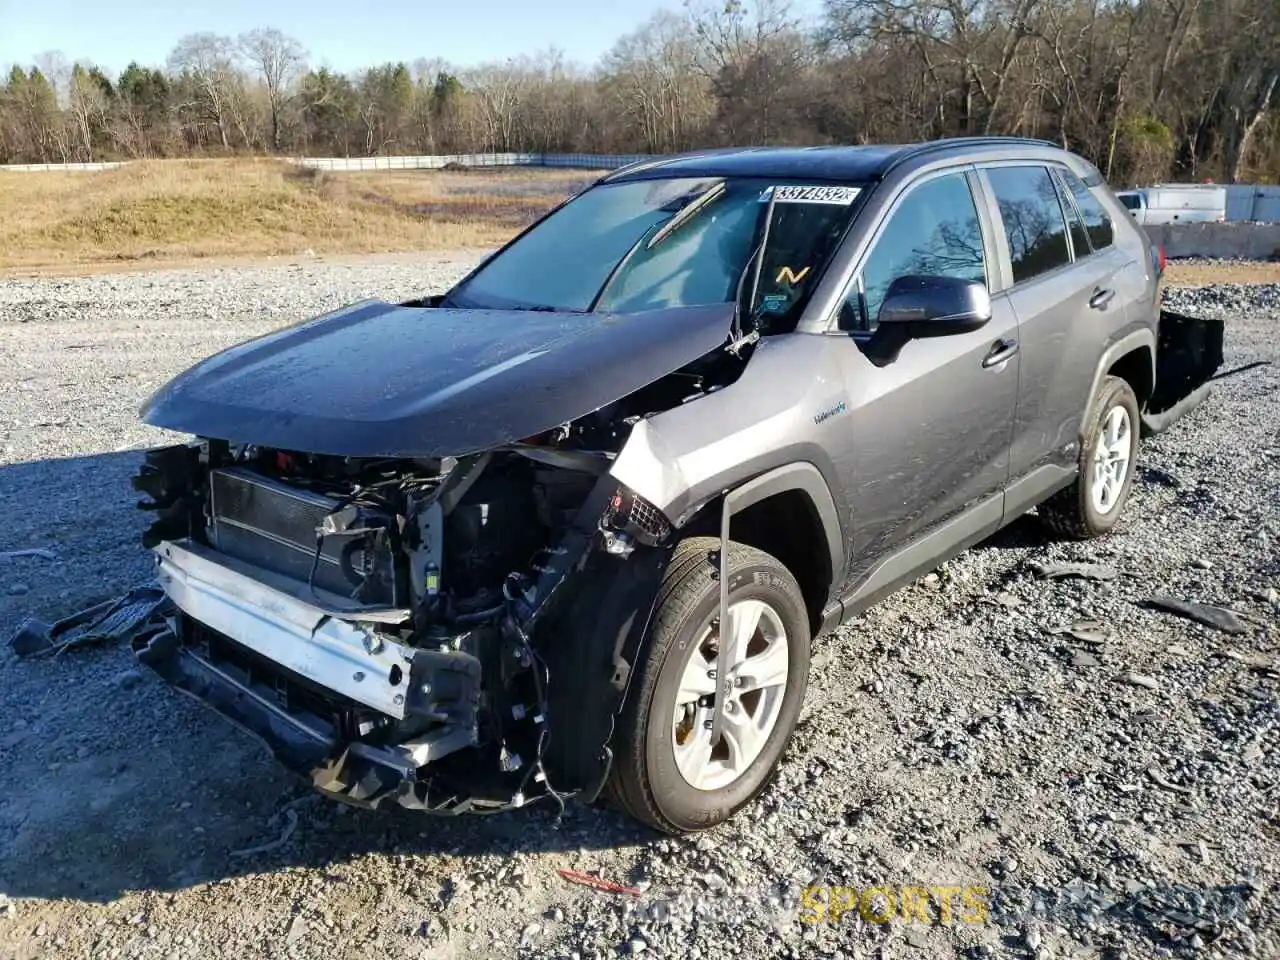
(1000, 351)
(1101, 297)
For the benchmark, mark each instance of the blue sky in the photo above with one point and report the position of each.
(345, 35)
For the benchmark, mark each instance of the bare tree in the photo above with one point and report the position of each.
(753, 55)
(279, 59)
(209, 61)
(653, 76)
(499, 88)
(87, 106)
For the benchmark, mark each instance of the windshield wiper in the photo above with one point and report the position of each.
(737, 339)
(655, 237)
(686, 213)
(458, 303)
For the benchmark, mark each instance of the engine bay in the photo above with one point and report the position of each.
(390, 625)
(445, 566)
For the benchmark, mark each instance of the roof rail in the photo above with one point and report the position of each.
(634, 166)
(650, 162)
(935, 146)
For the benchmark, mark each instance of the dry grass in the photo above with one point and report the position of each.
(1193, 273)
(180, 211)
(176, 211)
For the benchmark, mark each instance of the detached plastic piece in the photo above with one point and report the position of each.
(138, 610)
(1188, 354)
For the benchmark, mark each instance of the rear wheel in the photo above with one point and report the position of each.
(667, 771)
(1091, 506)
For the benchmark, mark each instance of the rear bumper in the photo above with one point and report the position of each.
(1188, 356)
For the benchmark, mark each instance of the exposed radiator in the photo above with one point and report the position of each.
(273, 525)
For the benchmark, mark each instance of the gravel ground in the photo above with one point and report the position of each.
(1109, 791)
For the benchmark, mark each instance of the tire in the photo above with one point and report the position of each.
(646, 780)
(1092, 505)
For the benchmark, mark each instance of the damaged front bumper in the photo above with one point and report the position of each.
(345, 657)
(320, 691)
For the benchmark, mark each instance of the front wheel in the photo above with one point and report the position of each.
(667, 771)
(1091, 506)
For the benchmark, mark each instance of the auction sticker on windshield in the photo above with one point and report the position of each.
(836, 195)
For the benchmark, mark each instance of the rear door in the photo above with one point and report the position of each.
(1063, 286)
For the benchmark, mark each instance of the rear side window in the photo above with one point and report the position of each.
(933, 232)
(1096, 221)
(1131, 200)
(1032, 219)
(1079, 239)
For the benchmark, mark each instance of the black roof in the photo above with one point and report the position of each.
(836, 163)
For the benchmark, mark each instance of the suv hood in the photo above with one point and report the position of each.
(376, 379)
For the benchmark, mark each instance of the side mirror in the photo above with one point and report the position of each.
(919, 306)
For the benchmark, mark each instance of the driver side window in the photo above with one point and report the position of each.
(934, 231)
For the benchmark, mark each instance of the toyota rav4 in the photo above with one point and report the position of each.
(571, 528)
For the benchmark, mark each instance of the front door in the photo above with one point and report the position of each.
(932, 428)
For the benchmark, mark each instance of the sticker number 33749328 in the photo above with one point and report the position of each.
(801, 193)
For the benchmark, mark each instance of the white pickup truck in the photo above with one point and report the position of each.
(1176, 203)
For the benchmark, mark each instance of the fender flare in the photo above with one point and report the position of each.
(802, 477)
(1136, 340)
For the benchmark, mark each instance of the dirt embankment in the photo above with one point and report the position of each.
(175, 211)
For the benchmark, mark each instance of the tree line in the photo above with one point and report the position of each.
(1147, 89)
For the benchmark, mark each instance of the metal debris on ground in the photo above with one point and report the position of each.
(1259, 664)
(1082, 571)
(141, 609)
(1083, 658)
(291, 825)
(1160, 781)
(1092, 632)
(29, 552)
(1002, 599)
(1140, 680)
(608, 886)
(1219, 618)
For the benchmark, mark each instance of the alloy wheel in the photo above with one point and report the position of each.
(754, 690)
(1111, 457)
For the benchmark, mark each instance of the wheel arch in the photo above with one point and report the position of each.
(595, 639)
(788, 512)
(1133, 354)
(1138, 369)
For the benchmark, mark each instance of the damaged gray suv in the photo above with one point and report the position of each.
(571, 528)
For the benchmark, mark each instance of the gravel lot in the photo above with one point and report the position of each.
(952, 736)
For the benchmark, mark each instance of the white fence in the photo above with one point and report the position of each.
(587, 161)
(59, 167)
